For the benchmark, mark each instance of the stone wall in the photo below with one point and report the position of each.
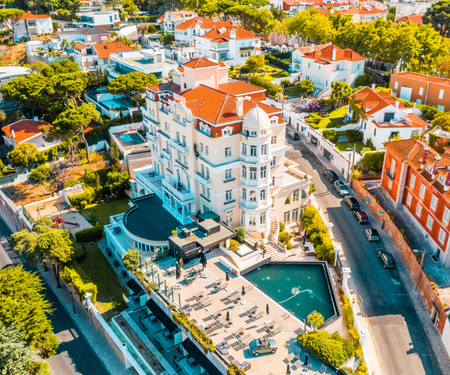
(429, 295)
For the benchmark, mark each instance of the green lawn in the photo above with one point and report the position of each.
(101, 212)
(271, 72)
(348, 146)
(335, 119)
(291, 92)
(109, 295)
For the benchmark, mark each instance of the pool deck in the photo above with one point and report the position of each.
(206, 300)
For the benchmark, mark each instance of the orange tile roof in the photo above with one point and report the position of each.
(373, 101)
(31, 16)
(105, 50)
(219, 40)
(423, 77)
(309, 49)
(200, 62)
(326, 53)
(80, 46)
(204, 23)
(239, 88)
(240, 33)
(414, 18)
(362, 10)
(168, 86)
(24, 129)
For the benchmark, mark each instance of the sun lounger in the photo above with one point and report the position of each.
(252, 309)
(232, 297)
(296, 365)
(238, 332)
(274, 329)
(205, 302)
(256, 315)
(245, 340)
(198, 296)
(218, 283)
(216, 313)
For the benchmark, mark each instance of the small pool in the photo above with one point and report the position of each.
(132, 138)
(298, 287)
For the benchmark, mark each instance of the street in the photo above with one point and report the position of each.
(400, 340)
(75, 355)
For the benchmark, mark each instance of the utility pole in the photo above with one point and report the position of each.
(350, 164)
(420, 270)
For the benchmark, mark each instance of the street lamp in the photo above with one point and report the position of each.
(351, 164)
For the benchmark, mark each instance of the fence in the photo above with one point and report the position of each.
(429, 295)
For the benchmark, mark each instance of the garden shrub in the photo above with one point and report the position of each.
(90, 177)
(282, 237)
(233, 369)
(284, 74)
(275, 59)
(240, 234)
(354, 135)
(75, 275)
(332, 349)
(90, 234)
(430, 112)
(87, 195)
(80, 252)
(331, 135)
(234, 246)
(373, 161)
(265, 84)
(282, 226)
(40, 173)
(198, 335)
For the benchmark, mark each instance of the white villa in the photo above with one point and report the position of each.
(171, 19)
(29, 24)
(186, 32)
(216, 146)
(327, 63)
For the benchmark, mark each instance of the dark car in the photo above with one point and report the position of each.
(330, 175)
(263, 346)
(372, 234)
(352, 203)
(116, 263)
(361, 217)
(340, 187)
(294, 136)
(386, 259)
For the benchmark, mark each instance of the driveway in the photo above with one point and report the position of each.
(400, 341)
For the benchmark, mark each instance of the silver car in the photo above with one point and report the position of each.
(340, 187)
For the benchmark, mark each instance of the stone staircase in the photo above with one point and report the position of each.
(274, 252)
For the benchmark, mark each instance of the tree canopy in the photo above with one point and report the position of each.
(443, 122)
(438, 15)
(340, 91)
(254, 63)
(15, 353)
(131, 260)
(23, 154)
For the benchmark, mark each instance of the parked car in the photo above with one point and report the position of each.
(116, 263)
(293, 135)
(372, 234)
(330, 175)
(361, 217)
(351, 202)
(386, 259)
(340, 187)
(263, 346)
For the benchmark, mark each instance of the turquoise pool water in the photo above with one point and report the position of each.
(132, 138)
(300, 288)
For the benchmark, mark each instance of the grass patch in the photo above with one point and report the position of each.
(335, 119)
(348, 146)
(101, 212)
(109, 294)
(291, 92)
(271, 72)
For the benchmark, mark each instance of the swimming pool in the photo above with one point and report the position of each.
(132, 138)
(298, 287)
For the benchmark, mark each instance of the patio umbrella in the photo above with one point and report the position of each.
(178, 271)
(243, 290)
(227, 277)
(306, 359)
(267, 312)
(228, 316)
(203, 259)
(288, 370)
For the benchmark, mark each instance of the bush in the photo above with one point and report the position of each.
(240, 234)
(90, 177)
(364, 80)
(284, 74)
(200, 336)
(282, 237)
(40, 173)
(234, 246)
(131, 260)
(354, 135)
(24, 154)
(265, 84)
(75, 275)
(87, 195)
(90, 234)
(233, 369)
(429, 112)
(332, 349)
(373, 161)
(283, 63)
(80, 253)
(282, 226)
(331, 135)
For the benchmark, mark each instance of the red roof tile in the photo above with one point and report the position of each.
(204, 23)
(200, 62)
(105, 50)
(168, 86)
(326, 53)
(373, 101)
(240, 33)
(31, 16)
(24, 129)
(422, 77)
(362, 10)
(414, 18)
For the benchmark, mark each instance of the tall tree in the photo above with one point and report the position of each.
(340, 91)
(310, 25)
(315, 320)
(8, 17)
(74, 121)
(132, 84)
(438, 15)
(15, 353)
(254, 63)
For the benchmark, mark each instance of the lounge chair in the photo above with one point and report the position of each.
(252, 309)
(296, 365)
(231, 297)
(205, 302)
(238, 332)
(257, 315)
(274, 330)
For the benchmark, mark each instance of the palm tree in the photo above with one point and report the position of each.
(64, 44)
(46, 40)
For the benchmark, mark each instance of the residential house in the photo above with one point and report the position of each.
(417, 179)
(171, 19)
(404, 9)
(85, 35)
(103, 20)
(186, 32)
(28, 25)
(27, 131)
(364, 13)
(414, 18)
(150, 60)
(327, 63)
(97, 56)
(382, 117)
(421, 89)
(292, 7)
(230, 43)
(111, 105)
(216, 146)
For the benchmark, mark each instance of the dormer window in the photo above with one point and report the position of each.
(227, 131)
(205, 128)
(441, 179)
(274, 120)
(429, 168)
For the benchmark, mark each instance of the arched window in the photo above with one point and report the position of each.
(244, 194)
(262, 195)
(252, 196)
(205, 128)
(244, 171)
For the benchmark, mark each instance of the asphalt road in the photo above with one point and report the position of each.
(400, 341)
(75, 355)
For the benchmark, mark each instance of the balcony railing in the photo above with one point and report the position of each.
(243, 48)
(179, 147)
(202, 180)
(165, 153)
(254, 159)
(151, 137)
(178, 190)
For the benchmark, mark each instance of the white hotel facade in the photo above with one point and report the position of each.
(216, 145)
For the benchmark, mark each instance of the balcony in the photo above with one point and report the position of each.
(178, 190)
(249, 182)
(179, 147)
(246, 48)
(254, 159)
(220, 46)
(165, 153)
(164, 134)
(151, 137)
(202, 180)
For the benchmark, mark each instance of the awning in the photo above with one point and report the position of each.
(161, 315)
(134, 287)
(202, 360)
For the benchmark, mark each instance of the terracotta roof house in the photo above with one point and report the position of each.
(28, 25)
(414, 18)
(85, 35)
(421, 89)
(327, 63)
(364, 13)
(172, 19)
(382, 117)
(186, 32)
(27, 131)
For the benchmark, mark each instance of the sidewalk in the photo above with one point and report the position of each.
(93, 336)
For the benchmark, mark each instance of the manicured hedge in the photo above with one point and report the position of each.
(86, 196)
(265, 84)
(90, 234)
(332, 349)
(200, 336)
(354, 135)
(75, 275)
(331, 135)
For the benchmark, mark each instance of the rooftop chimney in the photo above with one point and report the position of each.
(447, 180)
(240, 106)
(373, 86)
(333, 54)
(312, 47)
(13, 133)
(436, 164)
(424, 157)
